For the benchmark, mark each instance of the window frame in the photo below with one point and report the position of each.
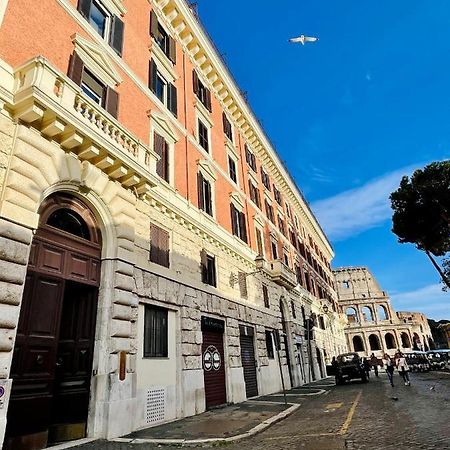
(200, 123)
(270, 348)
(209, 269)
(233, 159)
(163, 348)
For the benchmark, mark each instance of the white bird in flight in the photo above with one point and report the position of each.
(302, 39)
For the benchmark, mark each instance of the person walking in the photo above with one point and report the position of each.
(366, 367)
(403, 369)
(374, 363)
(389, 364)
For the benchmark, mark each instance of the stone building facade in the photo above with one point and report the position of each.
(372, 324)
(156, 258)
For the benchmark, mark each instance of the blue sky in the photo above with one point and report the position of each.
(350, 114)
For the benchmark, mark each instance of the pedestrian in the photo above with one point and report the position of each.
(403, 369)
(374, 363)
(366, 367)
(389, 364)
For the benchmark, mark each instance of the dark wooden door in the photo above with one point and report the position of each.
(33, 365)
(74, 362)
(248, 362)
(213, 368)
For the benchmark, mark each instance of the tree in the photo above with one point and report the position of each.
(422, 212)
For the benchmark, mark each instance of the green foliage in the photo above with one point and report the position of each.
(422, 209)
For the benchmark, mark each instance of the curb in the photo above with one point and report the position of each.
(257, 429)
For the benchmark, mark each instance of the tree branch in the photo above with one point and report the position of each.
(436, 265)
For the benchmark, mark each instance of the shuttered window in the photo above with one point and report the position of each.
(165, 42)
(165, 91)
(203, 136)
(243, 284)
(232, 169)
(161, 148)
(155, 332)
(265, 292)
(250, 158)
(107, 25)
(204, 195)
(259, 242)
(254, 194)
(159, 246)
(274, 248)
(265, 179)
(269, 344)
(277, 195)
(298, 272)
(201, 91)
(238, 223)
(269, 211)
(227, 128)
(92, 87)
(281, 225)
(208, 267)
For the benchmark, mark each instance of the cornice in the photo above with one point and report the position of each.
(205, 57)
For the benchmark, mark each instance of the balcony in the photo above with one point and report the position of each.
(278, 271)
(47, 100)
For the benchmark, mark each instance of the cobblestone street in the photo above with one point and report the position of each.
(355, 416)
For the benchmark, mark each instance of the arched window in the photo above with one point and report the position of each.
(69, 221)
(374, 342)
(382, 313)
(358, 344)
(352, 315)
(367, 314)
(390, 340)
(406, 343)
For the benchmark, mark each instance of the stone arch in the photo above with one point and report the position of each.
(374, 342)
(382, 313)
(406, 342)
(358, 344)
(367, 313)
(389, 339)
(352, 315)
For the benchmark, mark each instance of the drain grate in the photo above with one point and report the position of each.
(155, 405)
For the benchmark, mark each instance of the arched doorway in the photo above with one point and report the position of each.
(390, 341)
(53, 353)
(406, 343)
(358, 345)
(374, 342)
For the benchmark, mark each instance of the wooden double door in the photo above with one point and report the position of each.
(52, 361)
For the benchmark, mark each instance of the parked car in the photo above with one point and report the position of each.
(349, 366)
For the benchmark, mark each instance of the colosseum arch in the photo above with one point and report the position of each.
(389, 339)
(367, 313)
(358, 344)
(352, 315)
(406, 342)
(382, 313)
(374, 342)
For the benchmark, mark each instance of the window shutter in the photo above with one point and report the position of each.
(201, 195)
(159, 147)
(234, 224)
(243, 284)
(112, 102)
(195, 82)
(84, 7)
(265, 296)
(259, 242)
(224, 123)
(208, 100)
(152, 73)
(153, 24)
(204, 264)
(208, 197)
(172, 50)
(76, 66)
(116, 37)
(172, 100)
(242, 227)
(164, 247)
(154, 244)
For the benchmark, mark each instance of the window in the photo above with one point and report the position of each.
(281, 225)
(269, 344)
(294, 315)
(161, 148)
(296, 222)
(238, 223)
(265, 179)
(155, 332)
(69, 221)
(159, 246)
(227, 128)
(286, 258)
(203, 136)
(293, 238)
(165, 91)
(254, 194)
(259, 242)
(269, 211)
(208, 264)
(232, 169)
(274, 248)
(298, 273)
(288, 211)
(277, 195)
(161, 37)
(92, 87)
(265, 292)
(242, 276)
(201, 91)
(250, 158)
(204, 195)
(107, 25)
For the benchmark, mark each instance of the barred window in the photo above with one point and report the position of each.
(155, 332)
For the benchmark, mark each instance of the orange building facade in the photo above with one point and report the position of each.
(156, 254)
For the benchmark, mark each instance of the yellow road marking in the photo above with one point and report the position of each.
(348, 421)
(334, 405)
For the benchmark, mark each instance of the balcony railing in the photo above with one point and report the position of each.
(49, 101)
(282, 274)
